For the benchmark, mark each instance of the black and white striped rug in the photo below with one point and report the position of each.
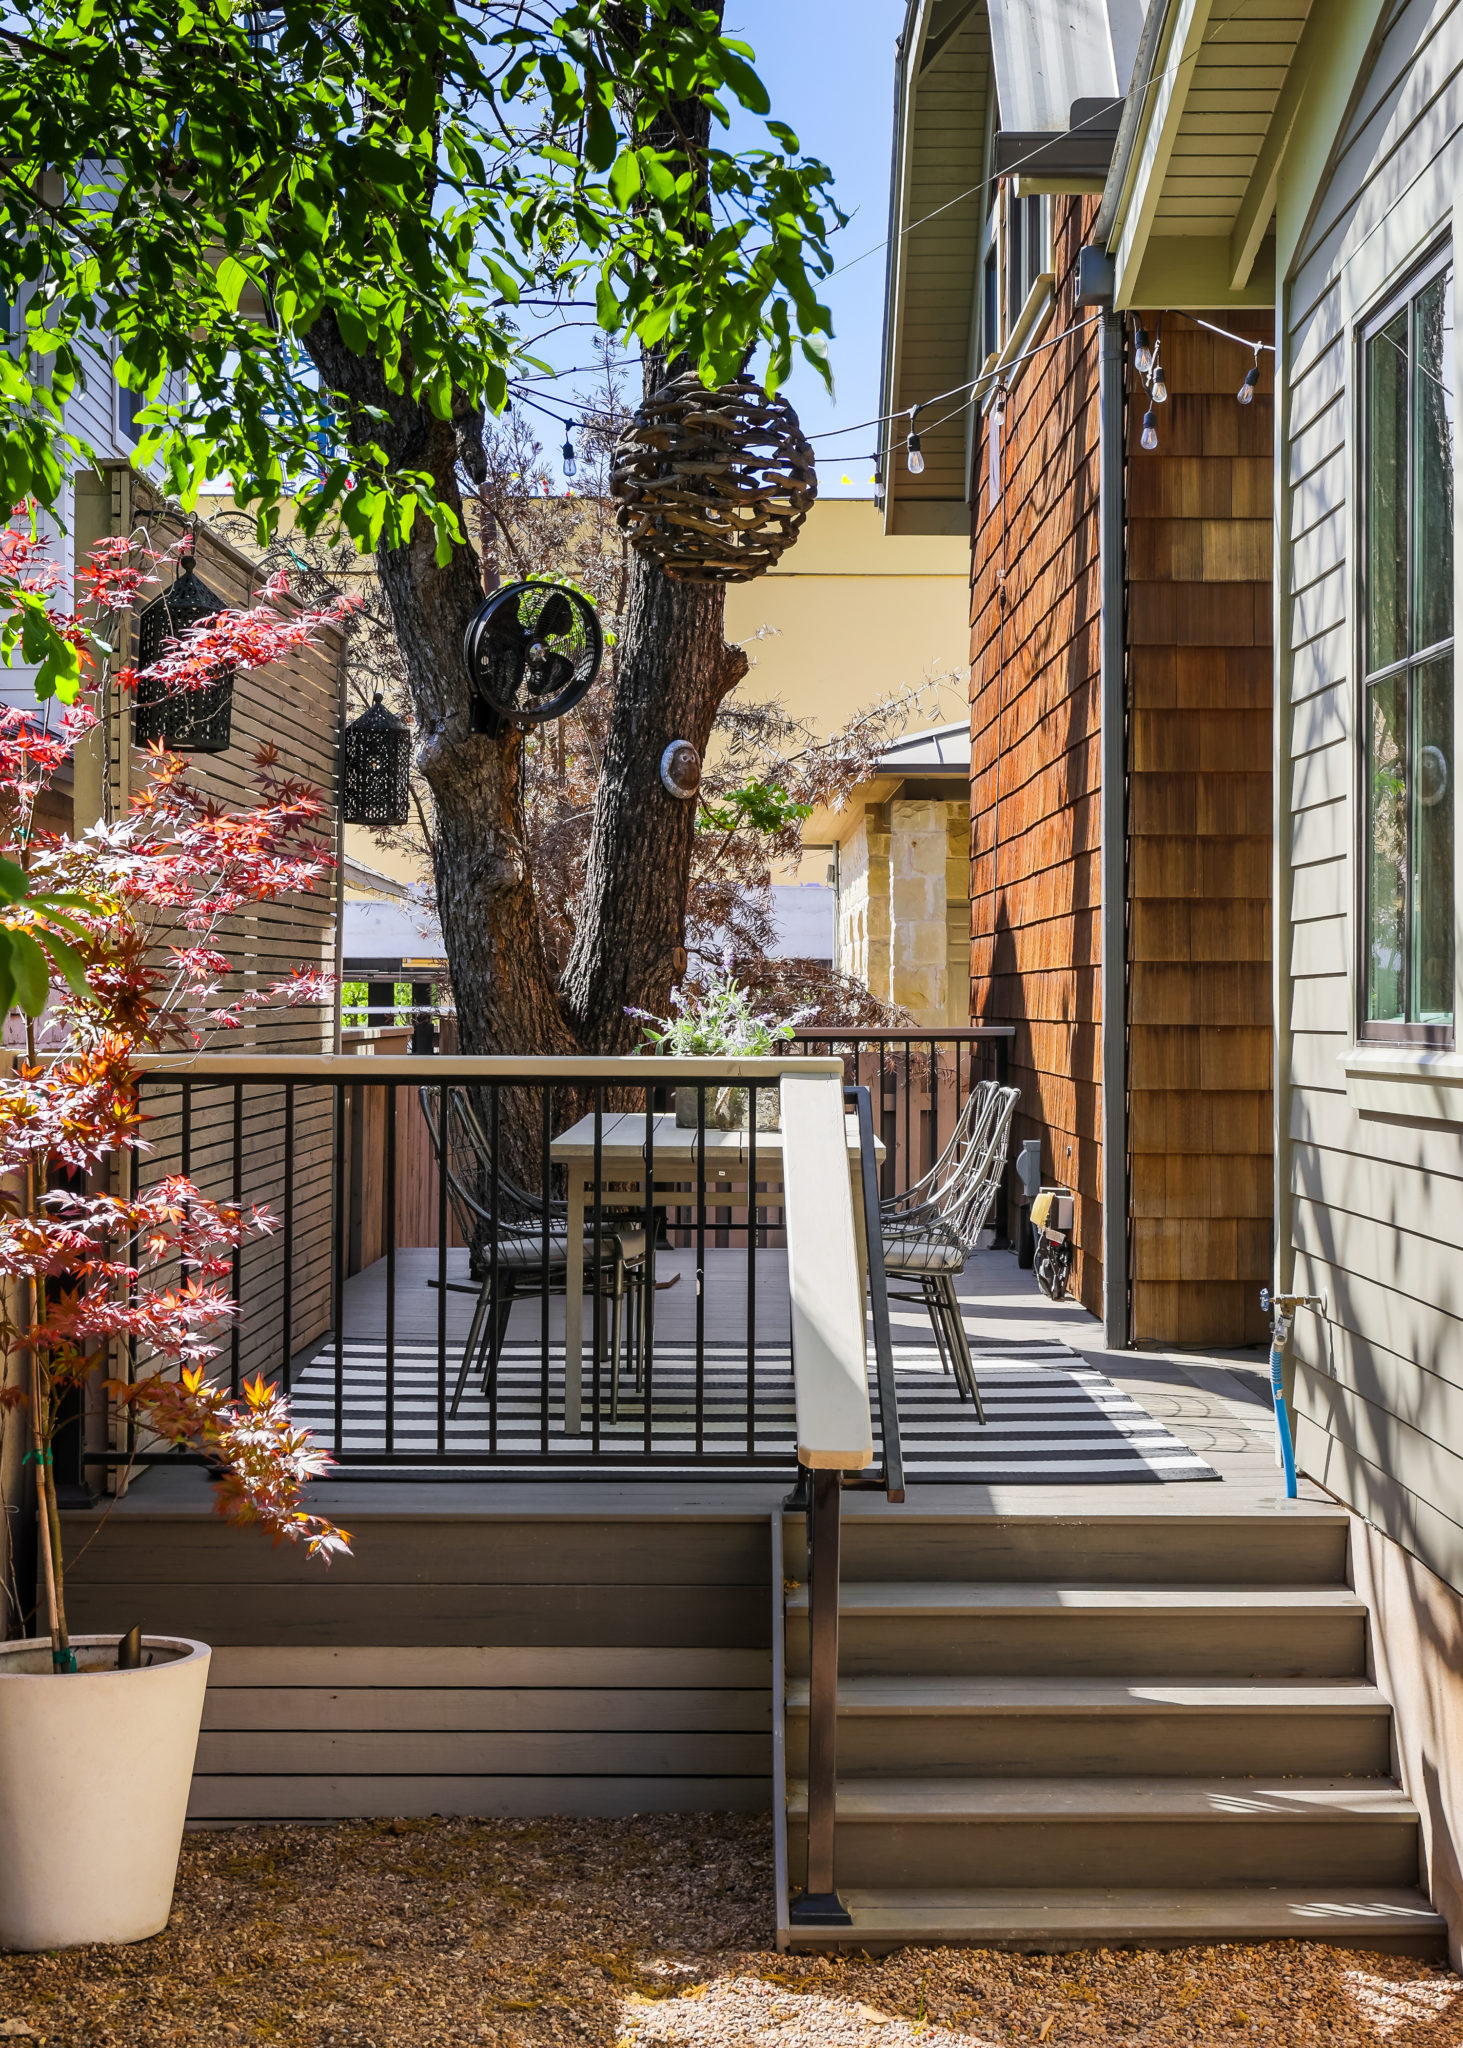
(1051, 1419)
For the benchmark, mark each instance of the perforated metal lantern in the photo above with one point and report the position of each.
(713, 485)
(375, 770)
(532, 651)
(186, 721)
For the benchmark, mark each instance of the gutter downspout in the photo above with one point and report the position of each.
(1095, 288)
(1114, 751)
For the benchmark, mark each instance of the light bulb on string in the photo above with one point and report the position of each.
(1246, 392)
(566, 455)
(1142, 353)
(877, 479)
(913, 453)
(1158, 387)
(1149, 436)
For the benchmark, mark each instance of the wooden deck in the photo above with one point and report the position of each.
(589, 1644)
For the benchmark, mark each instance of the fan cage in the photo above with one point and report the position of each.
(375, 780)
(185, 721)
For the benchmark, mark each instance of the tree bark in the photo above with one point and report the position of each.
(674, 670)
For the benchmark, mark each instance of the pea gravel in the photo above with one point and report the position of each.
(642, 1933)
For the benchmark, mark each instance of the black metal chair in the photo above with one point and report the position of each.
(932, 1228)
(513, 1234)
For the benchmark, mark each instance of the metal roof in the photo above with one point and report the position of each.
(939, 750)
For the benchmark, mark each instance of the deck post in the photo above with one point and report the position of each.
(820, 1905)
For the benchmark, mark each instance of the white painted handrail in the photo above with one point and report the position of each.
(835, 1431)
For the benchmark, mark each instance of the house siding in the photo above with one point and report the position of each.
(1373, 1201)
(1199, 847)
(1035, 886)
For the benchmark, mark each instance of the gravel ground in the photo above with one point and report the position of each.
(653, 1931)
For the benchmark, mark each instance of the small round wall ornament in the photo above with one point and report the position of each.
(533, 650)
(680, 770)
(713, 485)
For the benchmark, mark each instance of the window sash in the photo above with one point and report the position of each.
(1408, 982)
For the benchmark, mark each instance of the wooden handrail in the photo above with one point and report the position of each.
(565, 1071)
(834, 1427)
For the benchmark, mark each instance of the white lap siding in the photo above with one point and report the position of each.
(1374, 1203)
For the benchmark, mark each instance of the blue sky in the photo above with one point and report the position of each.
(829, 68)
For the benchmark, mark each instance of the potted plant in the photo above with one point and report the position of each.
(716, 1021)
(98, 1733)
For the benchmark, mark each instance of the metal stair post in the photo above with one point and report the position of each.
(820, 1905)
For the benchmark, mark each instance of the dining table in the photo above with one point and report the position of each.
(730, 1158)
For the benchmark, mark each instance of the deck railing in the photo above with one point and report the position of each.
(436, 1223)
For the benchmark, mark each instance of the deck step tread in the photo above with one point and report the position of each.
(1114, 1799)
(1361, 1916)
(906, 1599)
(1099, 1696)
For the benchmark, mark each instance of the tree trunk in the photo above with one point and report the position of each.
(675, 668)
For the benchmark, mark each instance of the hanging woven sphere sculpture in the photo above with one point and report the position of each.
(375, 769)
(186, 721)
(713, 485)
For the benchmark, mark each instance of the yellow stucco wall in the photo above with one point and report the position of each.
(857, 613)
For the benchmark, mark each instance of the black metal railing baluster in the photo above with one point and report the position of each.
(289, 1233)
(340, 1209)
(598, 1186)
(648, 1387)
(495, 1210)
(546, 1169)
(752, 1271)
(389, 1223)
(445, 1133)
(236, 1264)
(700, 1267)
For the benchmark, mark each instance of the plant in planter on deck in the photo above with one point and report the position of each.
(717, 1021)
(108, 947)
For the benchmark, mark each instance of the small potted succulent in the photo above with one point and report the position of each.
(717, 1021)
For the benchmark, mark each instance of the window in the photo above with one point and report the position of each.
(1026, 252)
(1407, 660)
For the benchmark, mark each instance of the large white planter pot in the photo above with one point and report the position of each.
(94, 1775)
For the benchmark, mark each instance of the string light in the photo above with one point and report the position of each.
(1246, 392)
(1149, 436)
(1142, 353)
(913, 454)
(1158, 386)
(878, 481)
(566, 455)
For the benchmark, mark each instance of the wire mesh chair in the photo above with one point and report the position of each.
(506, 1229)
(932, 1228)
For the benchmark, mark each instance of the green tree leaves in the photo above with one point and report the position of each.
(194, 185)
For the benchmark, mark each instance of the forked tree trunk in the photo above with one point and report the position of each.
(674, 670)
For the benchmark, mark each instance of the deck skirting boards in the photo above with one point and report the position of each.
(320, 1733)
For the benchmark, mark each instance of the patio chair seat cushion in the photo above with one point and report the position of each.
(523, 1251)
(922, 1252)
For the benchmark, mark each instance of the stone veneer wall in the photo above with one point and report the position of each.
(903, 918)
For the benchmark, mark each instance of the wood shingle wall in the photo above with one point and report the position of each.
(1199, 796)
(1035, 770)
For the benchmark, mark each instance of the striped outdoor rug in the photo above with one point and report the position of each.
(1051, 1419)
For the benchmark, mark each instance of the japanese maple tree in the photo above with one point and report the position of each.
(110, 945)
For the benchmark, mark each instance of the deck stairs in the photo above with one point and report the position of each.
(1062, 1732)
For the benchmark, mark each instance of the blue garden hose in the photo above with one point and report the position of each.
(1282, 1418)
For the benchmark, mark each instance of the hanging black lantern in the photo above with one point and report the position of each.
(532, 649)
(186, 721)
(375, 775)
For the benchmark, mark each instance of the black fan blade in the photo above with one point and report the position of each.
(556, 618)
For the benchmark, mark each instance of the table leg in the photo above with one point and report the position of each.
(574, 1304)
